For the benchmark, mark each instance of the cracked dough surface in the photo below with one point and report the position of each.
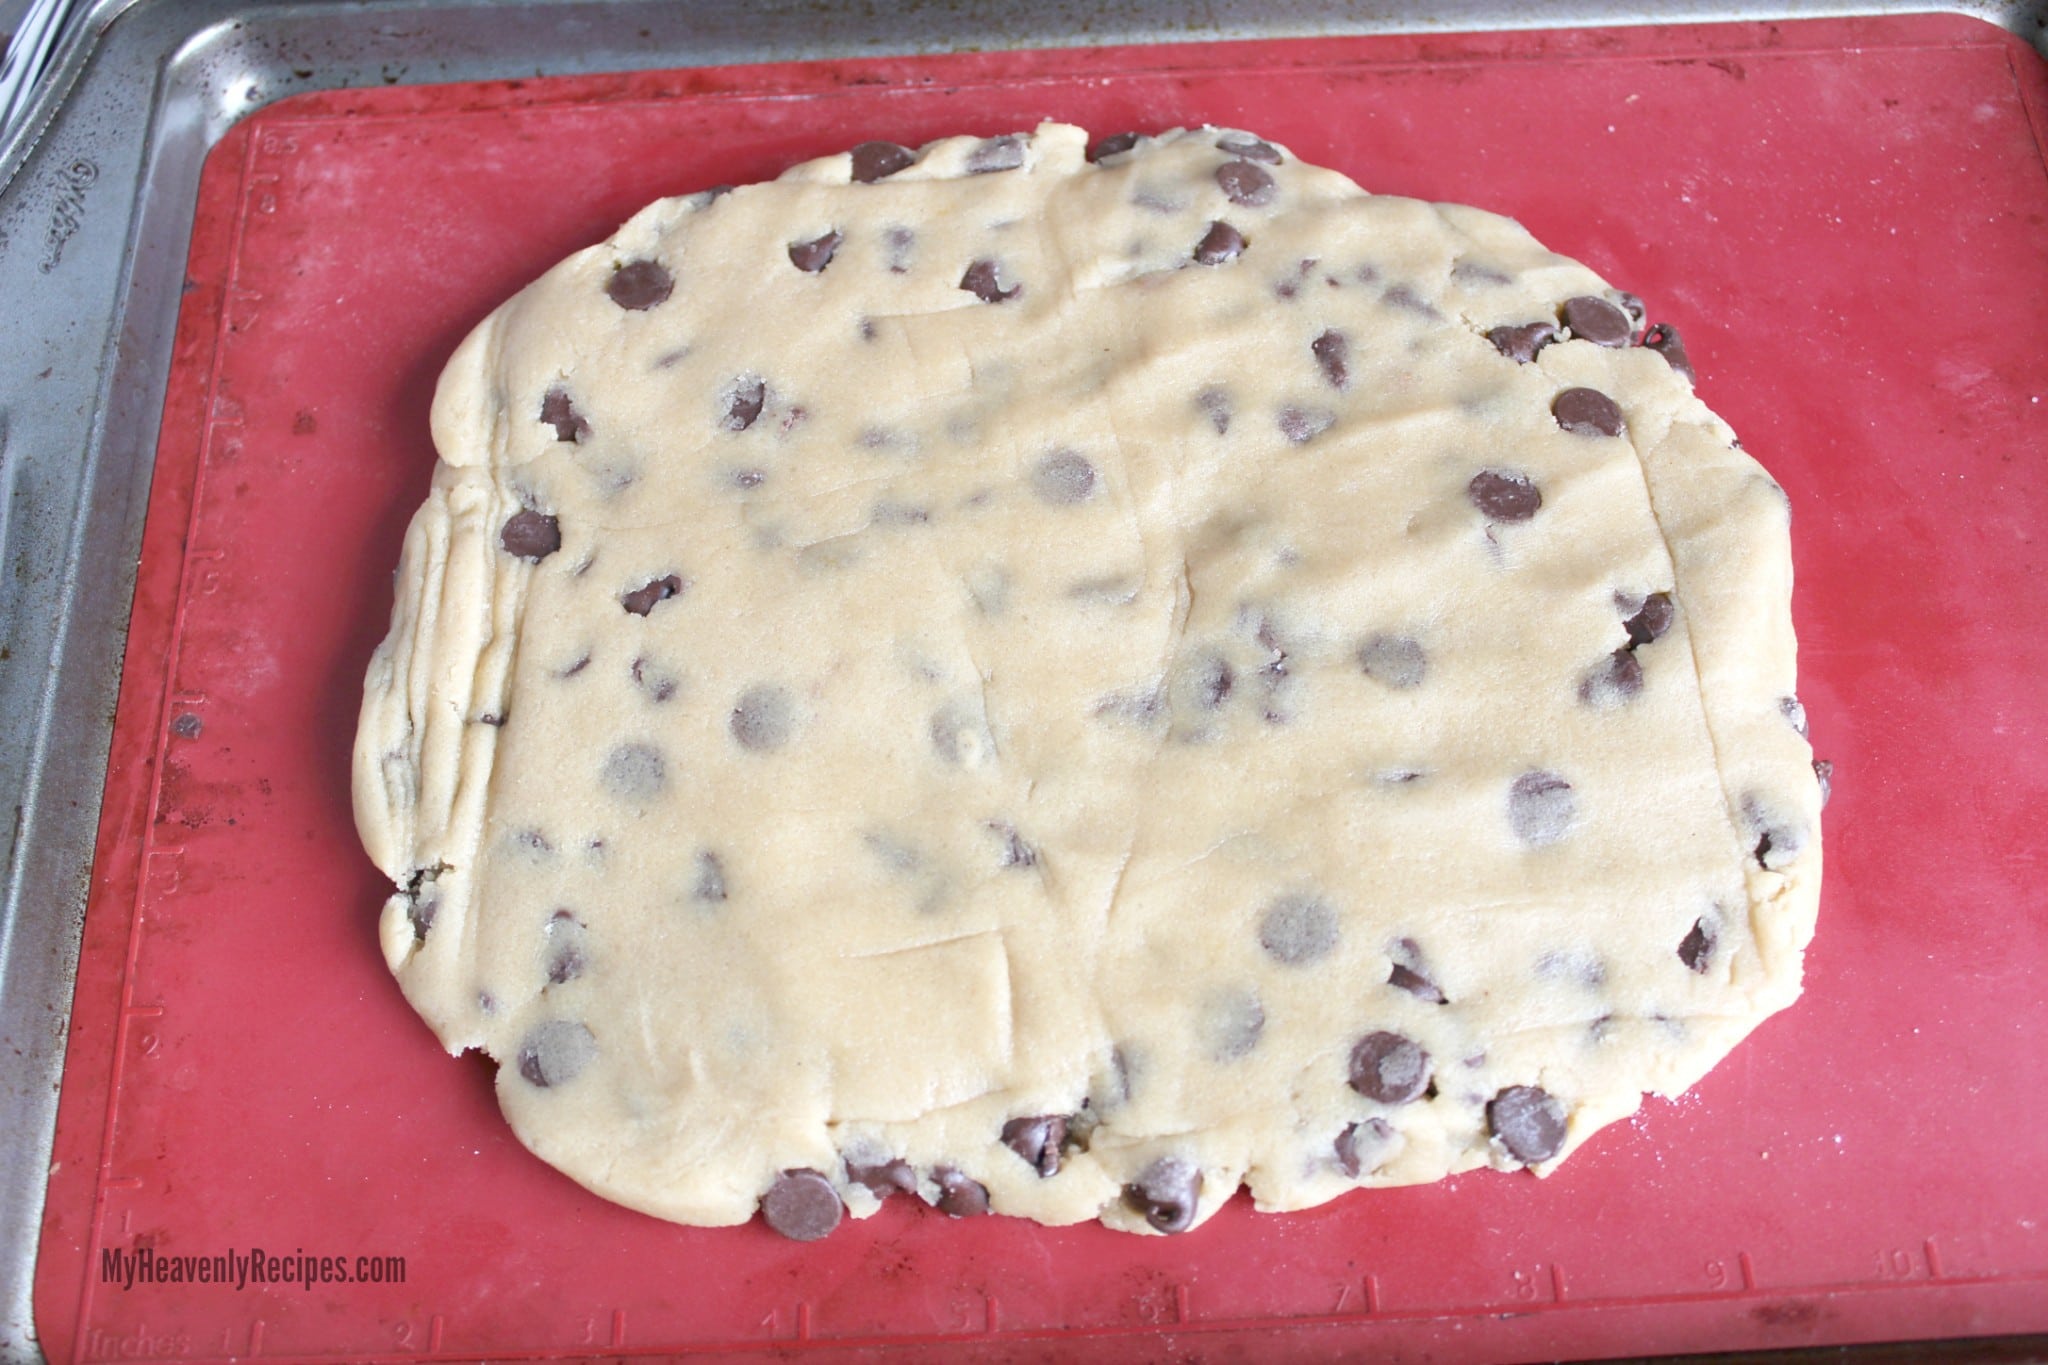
(954, 658)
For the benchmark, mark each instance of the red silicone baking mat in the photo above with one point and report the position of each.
(1845, 218)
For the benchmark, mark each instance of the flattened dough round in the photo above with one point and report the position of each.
(1098, 680)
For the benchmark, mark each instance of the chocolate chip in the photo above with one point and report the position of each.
(1649, 621)
(1408, 301)
(763, 718)
(898, 243)
(1230, 1023)
(1794, 712)
(1471, 272)
(421, 912)
(639, 285)
(1063, 478)
(814, 255)
(1248, 148)
(959, 1196)
(1167, 1193)
(1520, 344)
(1332, 351)
(644, 598)
(1824, 773)
(566, 959)
(1005, 153)
(634, 772)
(1596, 320)
(1389, 1068)
(556, 1052)
(1395, 660)
(1409, 980)
(885, 1179)
(1528, 1122)
(1245, 183)
(1215, 403)
(659, 684)
(1111, 145)
(743, 405)
(1374, 1130)
(531, 535)
(1541, 808)
(1220, 243)
(1662, 338)
(1611, 682)
(959, 736)
(1038, 1141)
(874, 161)
(1696, 949)
(750, 478)
(981, 280)
(801, 1205)
(1302, 425)
(710, 886)
(1504, 495)
(1587, 412)
(1779, 841)
(1297, 930)
(1015, 852)
(558, 412)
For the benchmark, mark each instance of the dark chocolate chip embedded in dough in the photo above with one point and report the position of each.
(1587, 412)
(1696, 949)
(814, 255)
(556, 1052)
(1374, 1130)
(1296, 930)
(1528, 1122)
(1244, 183)
(1614, 680)
(874, 161)
(644, 598)
(1520, 344)
(885, 1178)
(1005, 153)
(1168, 1193)
(559, 412)
(1389, 1068)
(1063, 478)
(1332, 351)
(1636, 309)
(1824, 774)
(1396, 661)
(1598, 321)
(1408, 301)
(899, 243)
(1037, 1140)
(1248, 148)
(1230, 1023)
(802, 1205)
(1220, 243)
(566, 959)
(1541, 808)
(1405, 978)
(1649, 621)
(531, 535)
(983, 280)
(1215, 403)
(1663, 339)
(710, 885)
(959, 1195)
(634, 772)
(659, 684)
(1111, 145)
(1504, 495)
(744, 405)
(1302, 425)
(763, 718)
(1794, 712)
(421, 912)
(1015, 852)
(637, 286)
(1779, 840)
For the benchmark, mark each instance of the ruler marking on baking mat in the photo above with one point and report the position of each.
(150, 886)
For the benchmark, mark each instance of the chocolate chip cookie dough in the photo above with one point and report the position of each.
(1060, 680)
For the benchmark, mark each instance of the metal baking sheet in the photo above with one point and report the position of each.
(1733, 199)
